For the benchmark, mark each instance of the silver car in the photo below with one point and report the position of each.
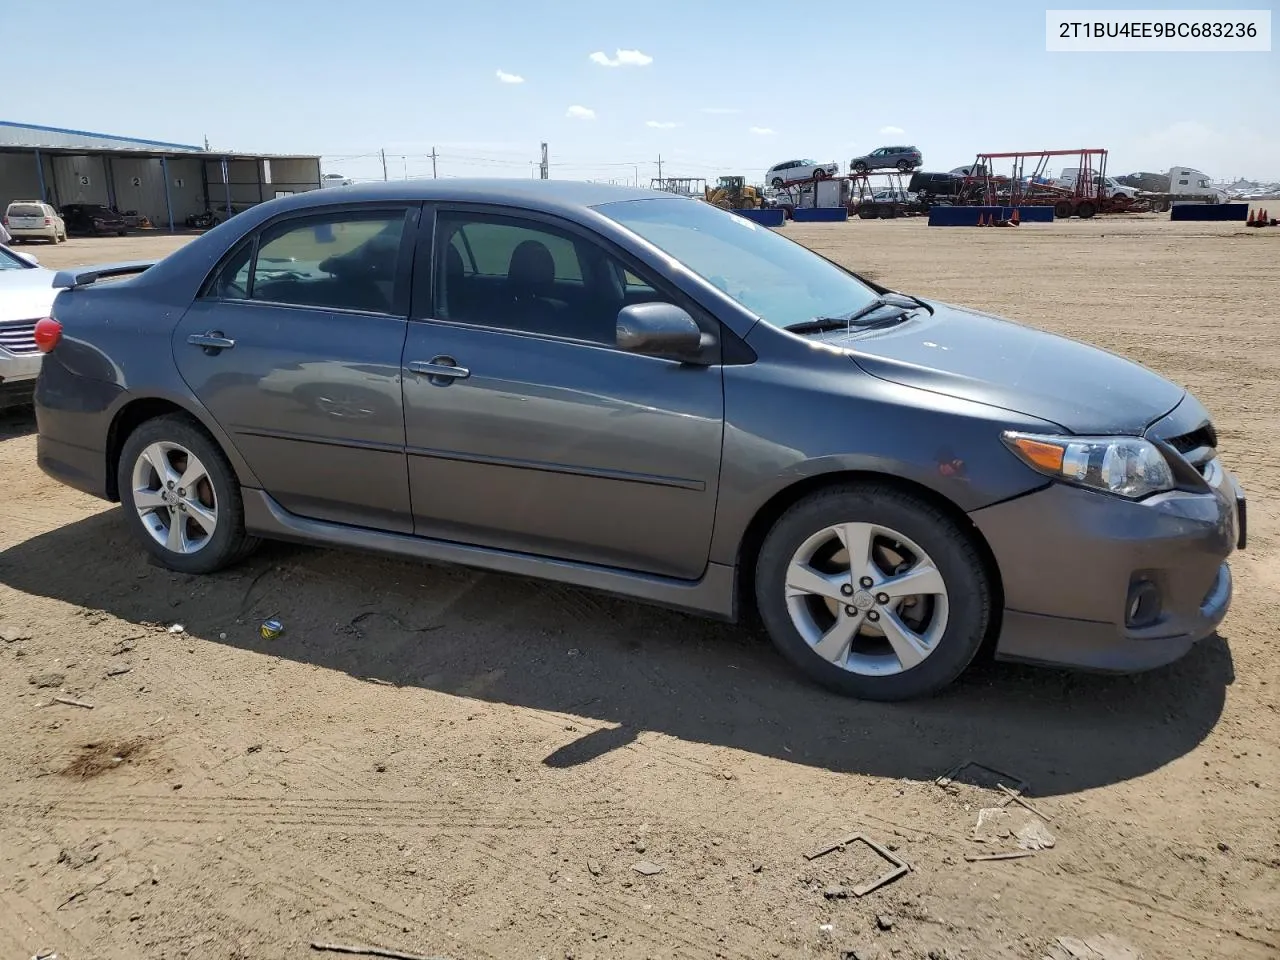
(26, 295)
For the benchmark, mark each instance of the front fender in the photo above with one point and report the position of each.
(789, 422)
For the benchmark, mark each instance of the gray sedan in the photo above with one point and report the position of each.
(639, 393)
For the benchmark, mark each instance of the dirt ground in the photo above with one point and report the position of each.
(464, 765)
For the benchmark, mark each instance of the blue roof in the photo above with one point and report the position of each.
(102, 136)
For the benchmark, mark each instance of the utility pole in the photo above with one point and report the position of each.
(545, 168)
(384, 163)
(433, 163)
(659, 166)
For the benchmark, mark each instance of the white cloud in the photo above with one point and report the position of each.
(509, 77)
(580, 113)
(622, 58)
(763, 131)
(721, 110)
(892, 131)
(661, 124)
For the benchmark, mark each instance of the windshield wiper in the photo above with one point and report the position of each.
(850, 320)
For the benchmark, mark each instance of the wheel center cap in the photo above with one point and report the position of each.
(862, 600)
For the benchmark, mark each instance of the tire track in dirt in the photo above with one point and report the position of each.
(316, 812)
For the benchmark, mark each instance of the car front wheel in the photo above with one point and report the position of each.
(872, 592)
(181, 498)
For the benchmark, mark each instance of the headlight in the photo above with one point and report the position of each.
(1126, 466)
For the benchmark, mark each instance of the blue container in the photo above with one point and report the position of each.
(1210, 211)
(820, 214)
(766, 216)
(968, 216)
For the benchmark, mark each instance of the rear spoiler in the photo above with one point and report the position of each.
(85, 276)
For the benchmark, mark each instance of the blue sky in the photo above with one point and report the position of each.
(701, 83)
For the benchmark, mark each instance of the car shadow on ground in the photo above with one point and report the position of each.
(18, 421)
(637, 668)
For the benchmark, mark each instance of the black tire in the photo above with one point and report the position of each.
(868, 213)
(953, 552)
(904, 165)
(1086, 209)
(777, 183)
(859, 167)
(229, 543)
(820, 174)
(1062, 210)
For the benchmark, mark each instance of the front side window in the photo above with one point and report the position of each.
(341, 261)
(775, 278)
(530, 277)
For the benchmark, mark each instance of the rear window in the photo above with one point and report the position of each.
(26, 210)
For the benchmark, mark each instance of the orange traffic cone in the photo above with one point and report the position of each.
(1017, 218)
(1250, 222)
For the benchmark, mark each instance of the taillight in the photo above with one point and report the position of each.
(48, 333)
(48, 221)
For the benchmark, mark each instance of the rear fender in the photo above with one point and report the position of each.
(187, 403)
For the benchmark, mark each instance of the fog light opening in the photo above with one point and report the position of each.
(1143, 606)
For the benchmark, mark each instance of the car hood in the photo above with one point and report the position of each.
(26, 294)
(975, 356)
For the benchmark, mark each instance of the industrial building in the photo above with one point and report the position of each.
(164, 183)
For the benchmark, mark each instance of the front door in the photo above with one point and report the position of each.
(295, 348)
(528, 430)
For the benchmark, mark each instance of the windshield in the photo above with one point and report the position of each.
(778, 280)
(11, 261)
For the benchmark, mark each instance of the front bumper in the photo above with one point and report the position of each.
(1069, 558)
(17, 377)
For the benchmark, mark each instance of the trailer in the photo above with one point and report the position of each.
(1083, 196)
(680, 186)
(862, 194)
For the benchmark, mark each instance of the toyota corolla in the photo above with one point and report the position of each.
(639, 393)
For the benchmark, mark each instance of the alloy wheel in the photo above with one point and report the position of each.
(174, 497)
(866, 599)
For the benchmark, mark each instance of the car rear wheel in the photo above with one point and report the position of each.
(872, 592)
(777, 183)
(181, 498)
(904, 165)
(859, 167)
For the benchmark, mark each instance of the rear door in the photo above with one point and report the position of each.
(295, 348)
(527, 428)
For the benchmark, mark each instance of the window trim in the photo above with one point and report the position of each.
(401, 291)
(424, 281)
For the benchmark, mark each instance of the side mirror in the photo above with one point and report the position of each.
(658, 329)
(29, 257)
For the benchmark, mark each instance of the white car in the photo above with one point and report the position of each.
(33, 220)
(26, 295)
(794, 171)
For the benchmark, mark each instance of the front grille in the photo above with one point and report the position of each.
(19, 337)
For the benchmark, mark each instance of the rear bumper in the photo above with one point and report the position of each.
(1070, 559)
(72, 419)
(33, 233)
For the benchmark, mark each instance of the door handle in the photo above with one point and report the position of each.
(213, 342)
(443, 367)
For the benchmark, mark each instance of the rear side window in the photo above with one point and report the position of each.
(486, 248)
(341, 261)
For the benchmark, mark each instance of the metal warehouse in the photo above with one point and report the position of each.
(164, 182)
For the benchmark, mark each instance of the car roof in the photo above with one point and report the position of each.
(550, 195)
